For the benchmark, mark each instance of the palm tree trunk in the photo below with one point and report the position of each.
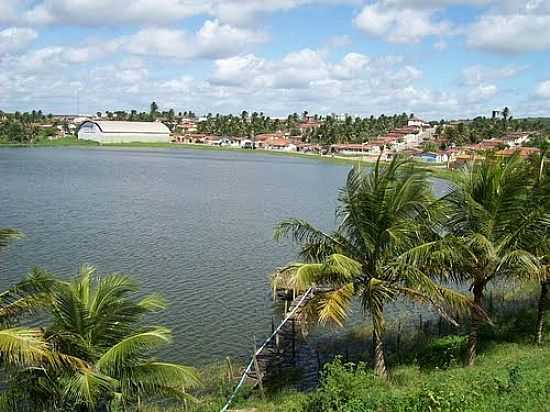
(378, 344)
(471, 348)
(544, 290)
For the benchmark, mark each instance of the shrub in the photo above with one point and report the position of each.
(443, 352)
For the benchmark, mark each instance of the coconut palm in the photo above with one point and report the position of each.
(98, 321)
(385, 220)
(487, 224)
(19, 346)
(538, 229)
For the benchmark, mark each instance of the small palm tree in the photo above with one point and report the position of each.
(487, 220)
(97, 321)
(19, 346)
(386, 219)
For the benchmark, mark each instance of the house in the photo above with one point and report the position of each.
(416, 122)
(522, 151)
(349, 149)
(432, 157)
(124, 132)
(516, 138)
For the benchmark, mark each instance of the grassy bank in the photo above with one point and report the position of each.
(508, 377)
(512, 374)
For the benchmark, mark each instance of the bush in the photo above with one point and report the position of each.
(443, 352)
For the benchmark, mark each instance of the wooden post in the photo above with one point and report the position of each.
(398, 341)
(293, 340)
(229, 368)
(259, 374)
(318, 363)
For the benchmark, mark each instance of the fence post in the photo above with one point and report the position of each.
(259, 374)
(398, 341)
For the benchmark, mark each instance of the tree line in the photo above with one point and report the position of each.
(483, 128)
(324, 130)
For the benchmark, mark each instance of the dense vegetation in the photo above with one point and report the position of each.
(482, 128)
(93, 353)
(329, 129)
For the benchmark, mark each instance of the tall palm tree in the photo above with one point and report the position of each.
(486, 209)
(98, 321)
(385, 219)
(537, 229)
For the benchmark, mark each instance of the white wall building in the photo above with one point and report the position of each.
(124, 132)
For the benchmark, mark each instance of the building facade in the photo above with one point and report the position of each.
(124, 132)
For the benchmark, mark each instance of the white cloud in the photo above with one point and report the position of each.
(481, 93)
(339, 42)
(14, 39)
(477, 74)
(112, 12)
(400, 25)
(510, 33)
(108, 12)
(213, 40)
(543, 89)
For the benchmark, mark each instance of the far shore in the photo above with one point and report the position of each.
(342, 160)
(91, 145)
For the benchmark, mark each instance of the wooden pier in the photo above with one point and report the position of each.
(287, 357)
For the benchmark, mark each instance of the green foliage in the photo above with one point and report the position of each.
(481, 128)
(443, 352)
(103, 346)
(329, 131)
(511, 377)
(385, 232)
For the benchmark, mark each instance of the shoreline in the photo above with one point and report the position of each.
(336, 160)
(182, 146)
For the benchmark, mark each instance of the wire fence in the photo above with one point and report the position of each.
(261, 348)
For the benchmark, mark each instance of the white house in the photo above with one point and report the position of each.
(415, 121)
(124, 132)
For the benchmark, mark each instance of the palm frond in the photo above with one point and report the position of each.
(153, 303)
(23, 346)
(86, 387)
(162, 374)
(8, 234)
(113, 361)
(315, 244)
(333, 306)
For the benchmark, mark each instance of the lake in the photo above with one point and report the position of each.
(195, 226)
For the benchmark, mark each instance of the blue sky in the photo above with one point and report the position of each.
(437, 58)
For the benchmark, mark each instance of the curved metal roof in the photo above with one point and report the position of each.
(111, 126)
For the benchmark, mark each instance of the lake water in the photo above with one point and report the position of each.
(194, 225)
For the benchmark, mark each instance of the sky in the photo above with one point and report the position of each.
(439, 59)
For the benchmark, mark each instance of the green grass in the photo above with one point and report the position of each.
(508, 377)
(511, 374)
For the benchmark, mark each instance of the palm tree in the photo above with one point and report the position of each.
(385, 220)
(98, 321)
(486, 224)
(537, 230)
(19, 346)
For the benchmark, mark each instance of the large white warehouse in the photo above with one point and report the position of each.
(124, 132)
